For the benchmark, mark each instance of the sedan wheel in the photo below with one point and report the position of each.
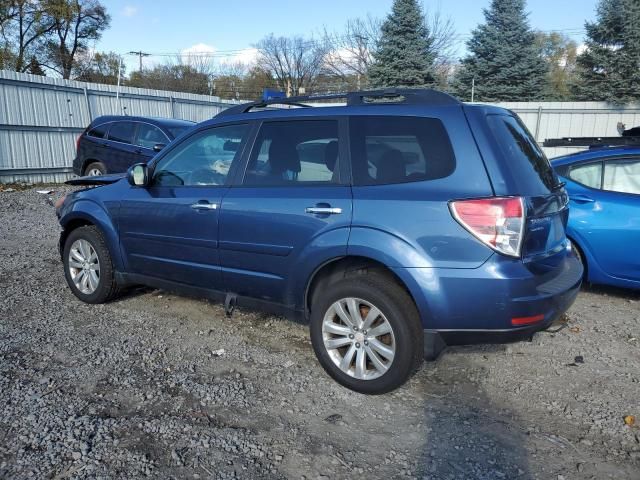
(84, 266)
(359, 339)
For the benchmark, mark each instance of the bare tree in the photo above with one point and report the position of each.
(76, 23)
(443, 37)
(351, 52)
(295, 62)
(24, 25)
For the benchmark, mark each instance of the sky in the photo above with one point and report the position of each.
(230, 28)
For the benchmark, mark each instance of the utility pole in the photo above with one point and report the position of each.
(140, 54)
(473, 89)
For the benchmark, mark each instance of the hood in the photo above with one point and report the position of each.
(97, 180)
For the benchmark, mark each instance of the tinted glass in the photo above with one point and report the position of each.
(122, 132)
(589, 175)
(622, 176)
(296, 152)
(177, 131)
(387, 150)
(203, 159)
(523, 155)
(148, 136)
(99, 131)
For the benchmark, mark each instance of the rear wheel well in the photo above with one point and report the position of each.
(343, 267)
(581, 257)
(89, 162)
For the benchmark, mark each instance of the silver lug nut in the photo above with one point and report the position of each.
(357, 345)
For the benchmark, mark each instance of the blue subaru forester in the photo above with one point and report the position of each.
(395, 225)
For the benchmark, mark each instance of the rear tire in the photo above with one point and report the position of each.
(88, 268)
(583, 260)
(380, 353)
(95, 169)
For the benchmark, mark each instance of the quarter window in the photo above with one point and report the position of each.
(149, 135)
(296, 152)
(589, 175)
(202, 159)
(122, 132)
(388, 150)
(99, 131)
(622, 176)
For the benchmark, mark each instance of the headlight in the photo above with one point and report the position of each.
(60, 202)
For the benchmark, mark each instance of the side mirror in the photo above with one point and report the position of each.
(158, 146)
(138, 175)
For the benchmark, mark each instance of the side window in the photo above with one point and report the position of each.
(149, 135)
(301, 151)
(122, 132)
(99, 131)
(387, 150)
(622, 176)
(589, 175)
(202, 159)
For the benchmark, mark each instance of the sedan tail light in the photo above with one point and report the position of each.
(498, 222)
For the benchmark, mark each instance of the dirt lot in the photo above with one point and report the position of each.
(168, 387)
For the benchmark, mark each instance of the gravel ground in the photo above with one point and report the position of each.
(162, 386)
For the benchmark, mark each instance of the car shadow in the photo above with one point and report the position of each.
(466, 434)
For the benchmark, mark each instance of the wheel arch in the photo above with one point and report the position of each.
(86, 213)
(341, 267)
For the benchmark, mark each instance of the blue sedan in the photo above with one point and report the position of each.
(604, 220)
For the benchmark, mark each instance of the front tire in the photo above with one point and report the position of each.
(366, 333)
(88, 268)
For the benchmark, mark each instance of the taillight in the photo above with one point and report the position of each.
(497, 222)
(78, 141)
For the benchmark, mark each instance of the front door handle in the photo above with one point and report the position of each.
(204, 206)
(581, 198)
(323, 210)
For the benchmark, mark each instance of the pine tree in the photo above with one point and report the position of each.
(404, 57)
(503, 59)
(609, 68)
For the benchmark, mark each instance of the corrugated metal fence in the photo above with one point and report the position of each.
(40, 119)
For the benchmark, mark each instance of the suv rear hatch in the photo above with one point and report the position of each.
(518, 167)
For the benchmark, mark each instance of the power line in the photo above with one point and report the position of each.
(140, 54)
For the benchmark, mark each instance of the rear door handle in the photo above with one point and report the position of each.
(323, 210)
(581, 198)
(204, 206)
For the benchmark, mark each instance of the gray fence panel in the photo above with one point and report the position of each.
(41, 118)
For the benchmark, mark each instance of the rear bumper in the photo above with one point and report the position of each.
(488, 304)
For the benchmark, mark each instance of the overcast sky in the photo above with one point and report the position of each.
(230, 28)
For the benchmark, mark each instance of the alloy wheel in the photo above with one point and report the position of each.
(358, 338)
(84, 266)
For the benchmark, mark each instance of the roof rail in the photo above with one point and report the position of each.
(591, 142)
(410, 96)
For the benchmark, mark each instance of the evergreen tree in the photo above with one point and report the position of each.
(609, 68)
(503, 60)
(404, 55)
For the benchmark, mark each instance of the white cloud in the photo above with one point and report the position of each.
(197, 51)
(129, 11)
(247, 56)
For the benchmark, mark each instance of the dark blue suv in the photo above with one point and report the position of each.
(397, 224)
(112, 143)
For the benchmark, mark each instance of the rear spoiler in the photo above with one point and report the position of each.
(97, 179)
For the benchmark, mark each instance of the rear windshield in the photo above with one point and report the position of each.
(525, 158)
(177, 131)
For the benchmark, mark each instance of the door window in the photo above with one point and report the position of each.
(122, 132)
(622, 176)
(387, 150)
(295, 152)
(589, 175)
(150, 135)
(202, 159)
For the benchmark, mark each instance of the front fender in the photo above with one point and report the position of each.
(90, 211)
